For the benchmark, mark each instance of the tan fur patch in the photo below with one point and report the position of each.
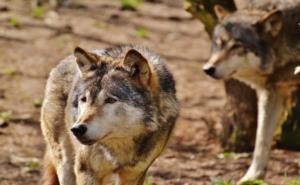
(88, 115)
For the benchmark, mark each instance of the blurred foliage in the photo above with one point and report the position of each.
(34, 165)
(38, 102)
(255, 182)
(294, 181)
(149, 180)
(225, 155)
(204, 11)
(142, 32)
(15, 22)
(220, 181)
(39, 12)
(5, 116)
(131, 4)
(8, 72)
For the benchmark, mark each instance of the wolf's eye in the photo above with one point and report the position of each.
(83, 99)
(110, 100)
(236, 46)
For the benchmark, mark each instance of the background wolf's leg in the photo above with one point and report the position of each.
(270, 106)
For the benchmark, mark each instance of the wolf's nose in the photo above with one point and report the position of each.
(210, 70)
(79, 130)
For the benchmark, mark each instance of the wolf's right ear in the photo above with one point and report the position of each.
(271, 23)
(221, 12)
(84, 59)
(137, 66)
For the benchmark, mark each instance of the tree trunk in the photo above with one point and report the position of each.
(239, 119)
(289, 134)
(204, 11)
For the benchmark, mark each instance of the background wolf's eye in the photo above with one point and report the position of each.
(83, 99)
(236, 46)
(110, 100)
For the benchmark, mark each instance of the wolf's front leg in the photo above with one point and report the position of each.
(64, 163)
(84, 175)
(65, 174)
(270, 107)
(86, 178)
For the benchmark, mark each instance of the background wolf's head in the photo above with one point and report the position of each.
(114, 96)
(242, 41)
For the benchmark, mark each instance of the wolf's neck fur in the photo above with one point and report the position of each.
(121, 159)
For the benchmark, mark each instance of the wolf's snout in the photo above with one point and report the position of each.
(79, 130)
(209, 69)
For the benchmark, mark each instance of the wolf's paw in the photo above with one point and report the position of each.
(250, 176)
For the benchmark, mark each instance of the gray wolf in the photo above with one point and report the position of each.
(260, 48)
(106, 116)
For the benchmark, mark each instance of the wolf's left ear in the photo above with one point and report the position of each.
(271, 23)
(84, 59)
(221, 12)
(137, 66)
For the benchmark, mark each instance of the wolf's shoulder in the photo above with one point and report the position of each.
(61, 77)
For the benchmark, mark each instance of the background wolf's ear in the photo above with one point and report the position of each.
(271, 23)
(220, 12)
(84, 59)
(137, 66)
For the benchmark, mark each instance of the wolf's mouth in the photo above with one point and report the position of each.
(86, 141)
(232, 73)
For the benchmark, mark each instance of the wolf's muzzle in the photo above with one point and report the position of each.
(209, 69)
(79, 130)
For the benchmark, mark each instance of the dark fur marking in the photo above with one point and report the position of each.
(83, 167)
(75, 101)
(144, 144)
(167, 82)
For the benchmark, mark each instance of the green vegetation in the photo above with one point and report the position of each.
(5, 117)
(8, 72)
(39, 12)
(149, 180)
(38, 102)
(220, 181)
(255, 182)
(225, 155)
(131, 4)
(142, 32)
(15, 22)
(34, 165)
(295, 181)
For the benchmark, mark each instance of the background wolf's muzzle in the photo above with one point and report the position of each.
(209, 70)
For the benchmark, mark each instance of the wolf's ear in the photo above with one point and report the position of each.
(84, 59)
(220, 12)
(271, 23)
(137, 66)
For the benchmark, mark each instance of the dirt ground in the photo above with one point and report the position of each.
(30, 47)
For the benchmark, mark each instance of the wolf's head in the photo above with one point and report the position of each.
(114, 97)
(242, 41)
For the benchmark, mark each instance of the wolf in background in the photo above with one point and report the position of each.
(260, 48)
(106, 116)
